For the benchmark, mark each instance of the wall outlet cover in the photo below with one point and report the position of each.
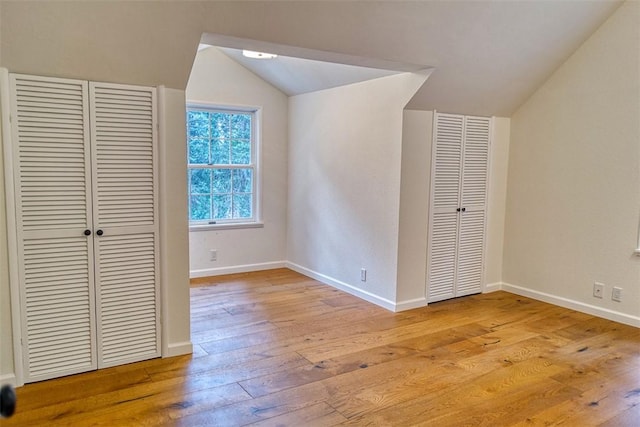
(616, 294)
(598, 290)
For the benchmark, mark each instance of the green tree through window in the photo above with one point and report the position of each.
(221, 152)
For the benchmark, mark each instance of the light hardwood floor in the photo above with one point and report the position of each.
(276, 348)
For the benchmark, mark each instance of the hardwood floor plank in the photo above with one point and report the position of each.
(465, 397)
(320, 415)
(234, 372)
(504, 409)
(603, 400)
(276, 348)
(344, 345)
(628, 418)
(261, 408)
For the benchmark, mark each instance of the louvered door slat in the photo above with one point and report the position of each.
(446, 175)
(442, 259)
(470, 253)
(51, 147)
(123, 167)
(476, 157)
(125, 209)
(128, 298)
(474, 194)
(84, 157)
(55, 293)
(459, 190)
(448, 155)
(44, 162)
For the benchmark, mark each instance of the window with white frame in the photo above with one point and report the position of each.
(222, 165)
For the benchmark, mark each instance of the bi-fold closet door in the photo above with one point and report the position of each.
(458, 206)
(84, 170)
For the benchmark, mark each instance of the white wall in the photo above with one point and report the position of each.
(344, 183)
(497, 198)
(174, 245)
(414, 206)
(217, 79)
(574, 177)
(417, 136)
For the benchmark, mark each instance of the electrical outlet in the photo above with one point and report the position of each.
(213, 255)
(363, 274)
(598, 290)
(616, 294)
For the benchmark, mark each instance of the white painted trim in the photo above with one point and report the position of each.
(178, 349)
(8, 379)
(411, 304)
(432, 186)
(367, 296)
(492, 287)
(162, 185)
(206, 272)
(485, 230)
(226, 226)
(12, 238)
(605, 313)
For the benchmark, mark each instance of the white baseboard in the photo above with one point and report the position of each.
(178, 349)
(9, 379)
(411, 304)
(605, 313)
(492, 287)
(367, 296)
(236, 269)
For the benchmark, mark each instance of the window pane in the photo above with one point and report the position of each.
(220, 125)
(220, 152)
(222, 181)
(198, 151)
(242, 180)
(198, 124)
(200, 207)
(200, 181)
(240, 152)
(222, 206)
(220, 138)
(242, 206)
(241, 126)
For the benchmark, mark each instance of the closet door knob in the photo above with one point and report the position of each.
(87, 232)
(99, 232)
(464, 209)
(458, 210)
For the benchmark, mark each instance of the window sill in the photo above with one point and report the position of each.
(228, 226)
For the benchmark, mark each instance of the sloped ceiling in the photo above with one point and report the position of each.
(295, 76)
(489, 56)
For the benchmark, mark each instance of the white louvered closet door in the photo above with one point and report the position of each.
(446, 176)
(52, 178)
(457, 210)
(473, 210)
(126, 241)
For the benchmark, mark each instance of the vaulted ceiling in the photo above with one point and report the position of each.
(488, 56)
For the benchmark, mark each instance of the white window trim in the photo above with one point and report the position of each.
(226, 226)
(256, 220)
